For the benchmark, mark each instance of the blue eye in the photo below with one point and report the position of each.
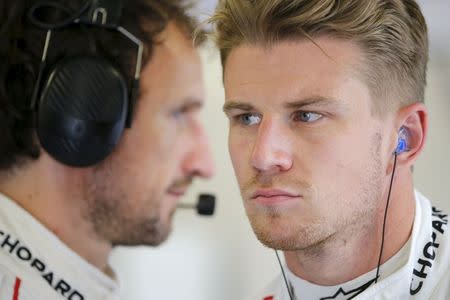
(248, 119)
(306, 116)
(176, 114)
(180, 112)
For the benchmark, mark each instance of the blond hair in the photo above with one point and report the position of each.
(391, 33)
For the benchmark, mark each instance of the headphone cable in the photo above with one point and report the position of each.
(384, 220)
(291, 297)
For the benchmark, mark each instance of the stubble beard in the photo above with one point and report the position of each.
(278, 229)
(109, 211)
(115, 224)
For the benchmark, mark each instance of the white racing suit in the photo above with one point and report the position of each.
(420, 270)
(36, 265)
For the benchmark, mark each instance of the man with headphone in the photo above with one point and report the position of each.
(325, 102)
(100, 137)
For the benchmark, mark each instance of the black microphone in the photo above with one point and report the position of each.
(205, 204)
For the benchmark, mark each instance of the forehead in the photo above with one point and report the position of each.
(291, 67)
(175, 65)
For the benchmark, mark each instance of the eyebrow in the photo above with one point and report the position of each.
(296, 104)
(320, 101)
(192, 103)
(237, 105)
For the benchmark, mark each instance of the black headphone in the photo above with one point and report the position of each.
(83, 103)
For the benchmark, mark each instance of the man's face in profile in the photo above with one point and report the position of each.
(308, 153)
(133, 194)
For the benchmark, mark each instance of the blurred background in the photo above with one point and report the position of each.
(219, 258)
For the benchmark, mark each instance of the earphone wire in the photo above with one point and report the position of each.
(284, 276)
(384, 219)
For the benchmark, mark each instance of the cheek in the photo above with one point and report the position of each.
(146, 159)
(342, 166)
(240, 148)
(157, 144)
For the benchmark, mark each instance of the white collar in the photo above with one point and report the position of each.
(56, 257)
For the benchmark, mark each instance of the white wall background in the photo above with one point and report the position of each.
(219, 258)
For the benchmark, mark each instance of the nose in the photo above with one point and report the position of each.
(272, 148)
(199, 160)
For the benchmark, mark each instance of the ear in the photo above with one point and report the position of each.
(414, 118)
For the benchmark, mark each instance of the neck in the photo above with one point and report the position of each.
(355, 251)
(53, 197)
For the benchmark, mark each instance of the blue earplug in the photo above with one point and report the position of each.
(402, 144)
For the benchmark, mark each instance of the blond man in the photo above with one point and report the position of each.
(325, 102)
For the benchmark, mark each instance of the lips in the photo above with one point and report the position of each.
(177, 193)
(273, 196)
(179, 187)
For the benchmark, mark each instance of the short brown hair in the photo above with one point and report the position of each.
(21, 49)
(391, 33)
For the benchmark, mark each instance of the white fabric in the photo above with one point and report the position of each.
(420, 270)
(39, 266)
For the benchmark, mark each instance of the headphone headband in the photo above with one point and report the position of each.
(104, 13)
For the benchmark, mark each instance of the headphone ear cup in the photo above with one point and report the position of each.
(82, 110)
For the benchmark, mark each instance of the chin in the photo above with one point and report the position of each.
(161, 234)
(269, 232)
(287, 242)
(274, 240)
(149, 232)
(283, 234)
(159, 240)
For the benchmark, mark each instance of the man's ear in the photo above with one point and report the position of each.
(412, 119)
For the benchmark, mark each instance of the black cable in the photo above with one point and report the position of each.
(384, 220)
(284, 276)
(72, 16)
